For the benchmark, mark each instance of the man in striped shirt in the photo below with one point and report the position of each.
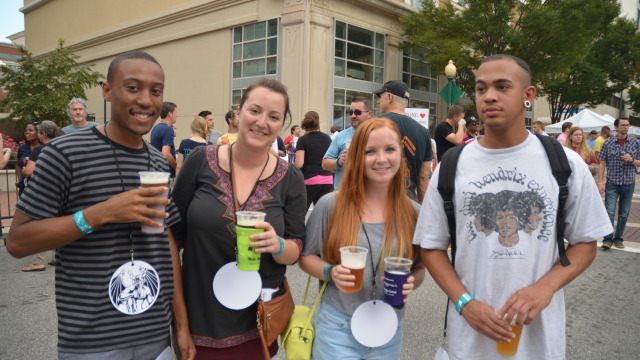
(114, 284)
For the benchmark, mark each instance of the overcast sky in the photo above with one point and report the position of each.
(11, 20)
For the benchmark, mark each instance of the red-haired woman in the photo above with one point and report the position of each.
(370, 210)
(577, 142)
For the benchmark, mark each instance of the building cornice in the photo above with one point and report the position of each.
(392, 7)
(157, 20)
(33, 5)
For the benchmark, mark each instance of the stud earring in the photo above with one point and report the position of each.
(527, 103)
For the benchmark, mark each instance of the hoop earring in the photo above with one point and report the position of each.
(527, 103)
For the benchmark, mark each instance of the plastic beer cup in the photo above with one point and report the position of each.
(510, 349)
(153, 179)
(347, 144)
(354, 258)
(396, 273)
(248, 259)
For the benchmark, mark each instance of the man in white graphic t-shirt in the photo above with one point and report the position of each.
(507, 264)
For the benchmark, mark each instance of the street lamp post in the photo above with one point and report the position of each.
(451, 92)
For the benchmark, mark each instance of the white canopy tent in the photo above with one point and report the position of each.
(586, 119)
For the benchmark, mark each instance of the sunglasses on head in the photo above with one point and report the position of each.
(356, 112)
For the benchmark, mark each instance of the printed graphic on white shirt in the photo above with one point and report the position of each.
(508, 219)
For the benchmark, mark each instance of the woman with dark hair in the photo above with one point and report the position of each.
(24, 152)
(224, 179)
(46, 131)
(309, 153)
(371, 210)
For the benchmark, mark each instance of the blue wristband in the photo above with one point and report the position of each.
(464, 299)
(281, 246)
(338, 163)
(81, 223)
(326, 271)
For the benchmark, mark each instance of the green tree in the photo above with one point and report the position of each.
(634, 99)
(611, 64)
(40, 89)
(562, 40)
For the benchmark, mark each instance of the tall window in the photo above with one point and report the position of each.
(255, 49)
(359, 53)
(417, 75)
(423, 85)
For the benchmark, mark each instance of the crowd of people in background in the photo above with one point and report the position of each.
(370, 185)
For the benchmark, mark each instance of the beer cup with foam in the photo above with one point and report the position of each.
(248, 259)
(354, 258)
(153, 179)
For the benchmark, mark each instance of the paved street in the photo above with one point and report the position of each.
(603, 307)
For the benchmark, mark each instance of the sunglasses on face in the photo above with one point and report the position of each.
(356, 112)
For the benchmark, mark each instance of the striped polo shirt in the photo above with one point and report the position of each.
(74, 172)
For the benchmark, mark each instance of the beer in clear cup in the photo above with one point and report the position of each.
(150, 179)
(510, 348)
(354, 258)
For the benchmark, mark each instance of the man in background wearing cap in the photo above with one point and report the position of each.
(591, 139)
(446, 134)
(472, 130)
(393, 100)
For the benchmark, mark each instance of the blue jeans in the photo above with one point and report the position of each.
(333, 338)
(621, 194)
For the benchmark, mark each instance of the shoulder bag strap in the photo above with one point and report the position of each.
(561, 171)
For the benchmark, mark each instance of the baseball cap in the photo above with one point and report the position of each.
(471, 120)
(395, 87)
(593, 132)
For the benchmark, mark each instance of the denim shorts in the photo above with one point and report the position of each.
(333, 338)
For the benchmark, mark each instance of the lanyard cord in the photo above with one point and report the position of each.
(237, 205)
(115, 157)
(373, 269)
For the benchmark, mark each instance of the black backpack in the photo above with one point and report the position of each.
(559, 167)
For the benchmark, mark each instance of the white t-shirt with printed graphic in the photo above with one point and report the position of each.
(505, 229)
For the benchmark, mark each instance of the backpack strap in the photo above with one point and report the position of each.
(446, 188)
(561, 171)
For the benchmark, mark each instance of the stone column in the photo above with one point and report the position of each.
(320, 94)
(294, 56)
(393, 60)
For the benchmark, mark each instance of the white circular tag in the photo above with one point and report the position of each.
(441, 354)
(236, 289)
(134, 287)
(374, 323)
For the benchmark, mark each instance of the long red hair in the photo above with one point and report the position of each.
(400, 215)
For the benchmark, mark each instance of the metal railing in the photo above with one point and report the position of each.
(8, 195)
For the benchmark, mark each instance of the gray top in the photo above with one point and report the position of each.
(214, 135)
(317, 228)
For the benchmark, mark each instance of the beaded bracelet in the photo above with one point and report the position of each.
(464, 299)
(81, 223)
(326, 271)
(281, 246)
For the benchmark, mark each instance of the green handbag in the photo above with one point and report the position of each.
(297, 338)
